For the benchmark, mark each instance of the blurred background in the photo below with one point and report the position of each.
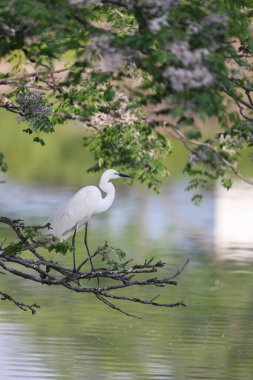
(74, 336)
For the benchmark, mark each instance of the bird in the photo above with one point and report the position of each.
(86, 203)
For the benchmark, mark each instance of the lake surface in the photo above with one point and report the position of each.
(73, 336)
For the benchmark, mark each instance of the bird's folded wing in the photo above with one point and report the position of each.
(75, 213)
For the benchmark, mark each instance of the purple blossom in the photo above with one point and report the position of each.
(182, 78)
(33, 108)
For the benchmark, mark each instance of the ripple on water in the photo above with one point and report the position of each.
(19, 359)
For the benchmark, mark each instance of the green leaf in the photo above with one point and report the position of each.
(197, 199)
(39, 140)
(185, 121)
(3, 164)
(60, 247)
(4, 75)
(227, 183)
(13, 249)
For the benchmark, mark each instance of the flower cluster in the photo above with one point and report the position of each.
(193, 73)
(181, 49)
(182, 79)
(108, 57)
(34, 110)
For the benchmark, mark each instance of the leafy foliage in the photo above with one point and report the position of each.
(137, 147)
(129, 68)
(114, 258)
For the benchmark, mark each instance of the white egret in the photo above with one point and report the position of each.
(87, 202)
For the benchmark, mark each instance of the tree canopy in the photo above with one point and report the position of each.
(136, 74)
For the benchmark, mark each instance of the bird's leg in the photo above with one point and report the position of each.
(74, 250)
(86, 245)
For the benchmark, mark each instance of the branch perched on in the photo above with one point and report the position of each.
(41, 270)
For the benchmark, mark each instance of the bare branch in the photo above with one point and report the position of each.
(241, 110)
(20, 305)
(247, 91)
(145, 302)
(246, 104)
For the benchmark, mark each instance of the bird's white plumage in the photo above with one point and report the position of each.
(87, 202)
(80, 208)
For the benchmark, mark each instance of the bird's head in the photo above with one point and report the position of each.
(113, 174)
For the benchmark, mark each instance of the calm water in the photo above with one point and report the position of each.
(75, 337)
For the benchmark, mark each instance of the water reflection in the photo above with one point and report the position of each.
(28, 201)
(13, 337)
(233, 222)
(75, 337)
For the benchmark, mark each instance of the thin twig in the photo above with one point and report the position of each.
(98, 295)
(180, 270)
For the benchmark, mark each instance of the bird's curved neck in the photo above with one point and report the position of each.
(109, 189)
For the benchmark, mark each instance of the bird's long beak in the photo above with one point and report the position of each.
(124, 175)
